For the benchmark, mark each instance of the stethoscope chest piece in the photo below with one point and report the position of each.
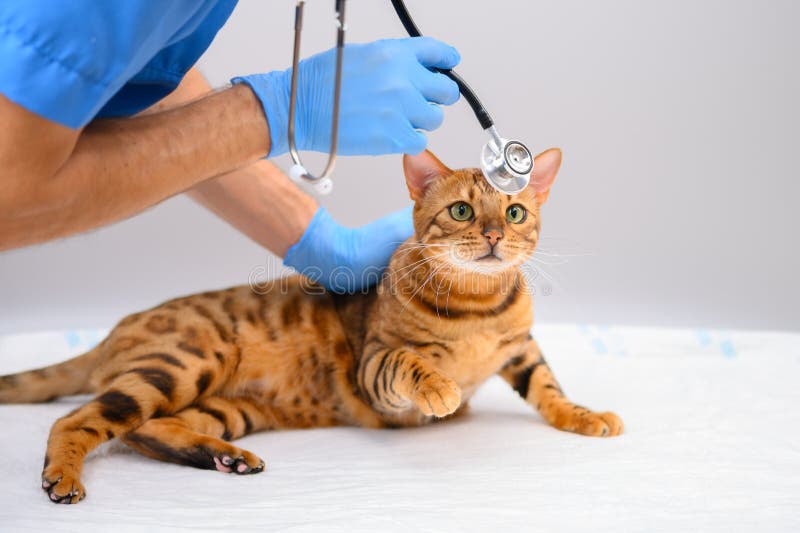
(506, 165)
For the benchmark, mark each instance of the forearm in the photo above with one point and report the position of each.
(257, 199)
(119, 167)
(261, 202)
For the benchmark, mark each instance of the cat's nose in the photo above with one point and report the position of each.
(493, 235)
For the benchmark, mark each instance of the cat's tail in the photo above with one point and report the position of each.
(48, 383)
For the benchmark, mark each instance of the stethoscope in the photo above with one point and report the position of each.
(506, 164)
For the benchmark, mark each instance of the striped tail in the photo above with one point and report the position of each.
(48, 383)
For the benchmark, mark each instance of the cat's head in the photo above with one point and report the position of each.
(463, 223)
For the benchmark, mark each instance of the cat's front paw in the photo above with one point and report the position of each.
(599, 424)
(437, 395)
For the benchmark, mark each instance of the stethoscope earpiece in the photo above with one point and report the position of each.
(322, 185)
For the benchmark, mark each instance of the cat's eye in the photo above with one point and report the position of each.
(516, 214)
(461, 211)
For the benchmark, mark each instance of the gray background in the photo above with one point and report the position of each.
(675, 204)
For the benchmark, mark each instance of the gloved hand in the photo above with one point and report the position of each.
(387, 91)
(348, 259)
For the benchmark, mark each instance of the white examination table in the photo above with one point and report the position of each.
(712, 443)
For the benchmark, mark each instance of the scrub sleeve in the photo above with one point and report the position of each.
(71, 61)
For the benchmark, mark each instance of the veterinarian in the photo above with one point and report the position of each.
(102, 115)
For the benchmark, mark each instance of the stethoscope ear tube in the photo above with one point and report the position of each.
(322, 183)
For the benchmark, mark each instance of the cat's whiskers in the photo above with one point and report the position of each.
(420, 246)
(438, 290)
(429, 244)
(539, 270)
(412, 267)
(537, 264)
(415, 266)
(549, 263)
(539, 251)
(423, 284)
(547, 250)
(415, 246)
(517, 247)
(422, 261)
(447, 301)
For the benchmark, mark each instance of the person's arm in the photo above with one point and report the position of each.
(262, 203)
(259, 199)
(57, 181)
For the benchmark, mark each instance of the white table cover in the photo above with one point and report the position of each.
(712, 443)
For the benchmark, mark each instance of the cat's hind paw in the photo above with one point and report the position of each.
(62, 487)
(246, 463)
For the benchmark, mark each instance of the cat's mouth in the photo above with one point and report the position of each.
(488, 261)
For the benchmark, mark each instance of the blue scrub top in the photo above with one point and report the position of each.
(73, 60)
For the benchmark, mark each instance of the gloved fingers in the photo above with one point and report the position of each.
(424, 115)
(413, 143)
(433, 53)
(436, 87)
(393, 135)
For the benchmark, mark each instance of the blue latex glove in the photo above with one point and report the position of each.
(387, 91)
(348, 259)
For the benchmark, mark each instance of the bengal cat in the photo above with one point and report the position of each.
(181, 381)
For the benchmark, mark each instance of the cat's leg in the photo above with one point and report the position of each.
(139, 391)
(395, 380)
(197, 436)
(530, 376)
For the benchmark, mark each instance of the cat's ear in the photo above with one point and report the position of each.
(421, 170)
(545, 168)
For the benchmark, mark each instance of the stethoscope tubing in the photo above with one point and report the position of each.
(469, 95)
